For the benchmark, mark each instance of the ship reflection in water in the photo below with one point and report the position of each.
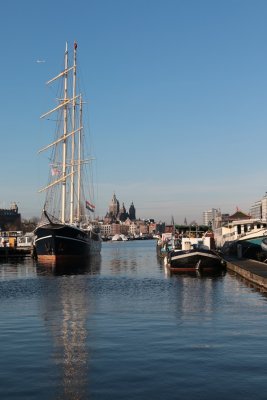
(89, 266)
(66, 310)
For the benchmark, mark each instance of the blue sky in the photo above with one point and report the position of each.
(177, 97)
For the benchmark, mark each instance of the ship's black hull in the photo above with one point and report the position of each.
(192, 260)
(62, 243)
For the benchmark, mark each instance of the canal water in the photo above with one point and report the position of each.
(125, 329)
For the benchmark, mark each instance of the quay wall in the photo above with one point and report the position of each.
(251, 270)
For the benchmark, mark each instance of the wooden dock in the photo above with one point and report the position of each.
(252, 270)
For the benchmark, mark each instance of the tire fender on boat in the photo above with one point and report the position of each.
(198, 266)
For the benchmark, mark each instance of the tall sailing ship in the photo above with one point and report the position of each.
(66, 232)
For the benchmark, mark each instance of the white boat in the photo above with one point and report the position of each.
(60, 237)
(119, 238)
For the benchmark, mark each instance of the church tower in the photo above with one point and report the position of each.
(132, 212)
(123, 215)
(114, 207)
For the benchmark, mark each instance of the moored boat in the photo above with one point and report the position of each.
(252, 245)
(119, 238)
(246, 232)
(66, 232)
(264, 245)
(194, 257)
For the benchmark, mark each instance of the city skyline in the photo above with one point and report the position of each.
(258, 210)
(176, 93)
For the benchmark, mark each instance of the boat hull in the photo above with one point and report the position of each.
(264, 245)
(193, 260)
(245, 249)
(64, 243)
(254, 241)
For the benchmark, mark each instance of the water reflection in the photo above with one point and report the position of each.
(122, 258)
(248, 283)
(14, 269)
(161, 265)
(91, 266)
(85, 334)
(67, 305)
(197, 273)
(130, 257)
(197, 294)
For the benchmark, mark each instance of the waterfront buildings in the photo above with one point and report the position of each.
(240, 224)
(120, 221)
(209, 216)
(131, 228)
(10, 219)
(258, 211)
(259, 208)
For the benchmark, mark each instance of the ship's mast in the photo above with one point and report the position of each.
(73, 136)
(79, 162)
(65, 131)
(70, 167)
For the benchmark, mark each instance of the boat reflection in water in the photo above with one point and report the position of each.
(90, 266)
(66, 308)
(194, 273)
(197, 295)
